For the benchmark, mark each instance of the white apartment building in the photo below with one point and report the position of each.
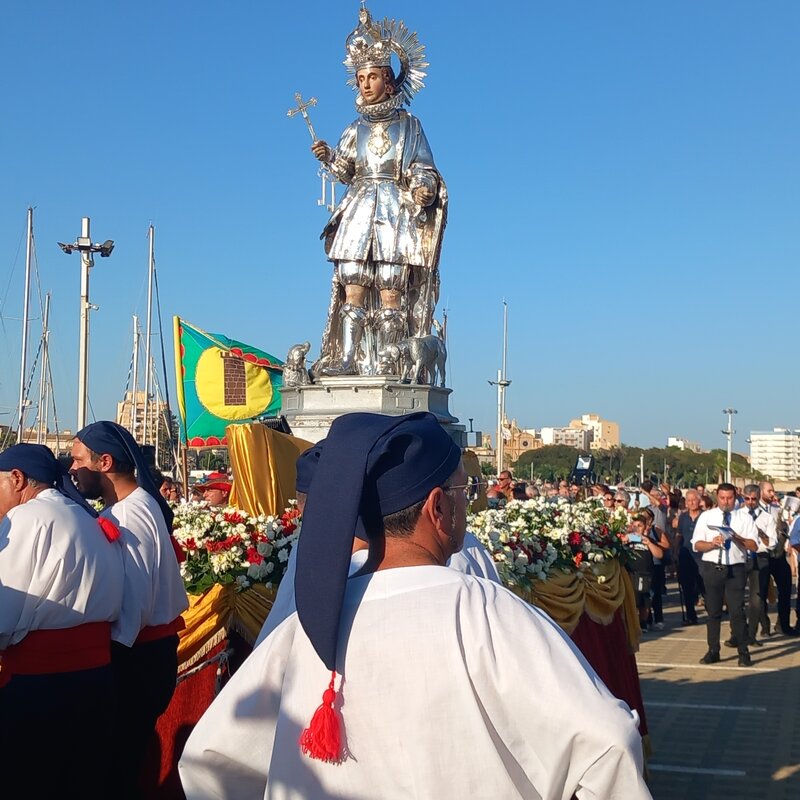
(684, 444)
(579, 438)
(776, 453)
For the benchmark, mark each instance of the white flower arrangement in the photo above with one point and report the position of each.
(530, 539)
(227, 545)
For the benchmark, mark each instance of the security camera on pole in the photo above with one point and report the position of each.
(87, 250)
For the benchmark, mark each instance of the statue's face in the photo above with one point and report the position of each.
(371, 85)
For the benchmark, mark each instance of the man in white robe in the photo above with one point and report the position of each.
(441, 684)
(108, 463)
(60, 590)
(472, 559)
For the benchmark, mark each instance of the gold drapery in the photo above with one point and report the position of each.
(263, 463)
(219, 609)
(566, 596)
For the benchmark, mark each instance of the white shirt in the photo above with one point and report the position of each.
(154, 592)
(472, 559)
(57, 569)
(450, 687)
(765, 523)
(285, 604)
(741, 523)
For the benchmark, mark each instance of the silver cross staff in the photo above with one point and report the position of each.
(301, 109)
(323, 173)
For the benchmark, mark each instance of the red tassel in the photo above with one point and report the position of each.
(322, 739)
(110, 530)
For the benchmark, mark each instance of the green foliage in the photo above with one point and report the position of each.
(683, 467)
(487, 469)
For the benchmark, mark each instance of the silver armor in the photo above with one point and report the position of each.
(378, 237)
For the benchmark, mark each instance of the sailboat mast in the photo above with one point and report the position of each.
(151, 263)
(25, 309)
(41, 432)
(134, 393)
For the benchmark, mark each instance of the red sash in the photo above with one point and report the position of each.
(45, 652)
(153, 632)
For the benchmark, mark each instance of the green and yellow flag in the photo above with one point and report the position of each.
(220, 382)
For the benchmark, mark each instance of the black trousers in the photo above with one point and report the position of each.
(145, 676)
(57, 734)
(659, 584)
(688, 575)
(758, 586)
(781, 573)
(725, 584)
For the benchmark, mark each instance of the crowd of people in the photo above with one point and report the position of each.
(413, 637)
(734, 551)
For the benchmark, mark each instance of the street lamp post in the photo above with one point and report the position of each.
(87, 249)
(729, 433)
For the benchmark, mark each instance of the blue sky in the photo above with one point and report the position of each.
(625, 174)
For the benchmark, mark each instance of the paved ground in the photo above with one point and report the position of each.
(720, 731)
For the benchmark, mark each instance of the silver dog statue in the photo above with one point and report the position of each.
(416, 359)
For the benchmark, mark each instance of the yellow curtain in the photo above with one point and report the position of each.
(566, 595)
(562, 597)
(217, 610)
(263, 463)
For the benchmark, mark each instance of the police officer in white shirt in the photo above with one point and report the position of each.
(725, 536)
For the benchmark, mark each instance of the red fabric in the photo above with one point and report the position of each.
(605, 647)
(159, 779)
(153, 632)
(46, 652)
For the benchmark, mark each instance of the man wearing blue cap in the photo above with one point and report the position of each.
(439, 684)
(61, 577)
(472, 559)
(107, 463)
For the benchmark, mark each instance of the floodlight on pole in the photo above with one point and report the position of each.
(502, 383)
(87, 249)
(729, 434)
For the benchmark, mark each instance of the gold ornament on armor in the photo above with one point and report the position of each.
(379, 141)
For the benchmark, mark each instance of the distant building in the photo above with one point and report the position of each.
(60, 443)
(604, 434)
(131, 416)
(684, 444)
(579, 438)
(776, 453)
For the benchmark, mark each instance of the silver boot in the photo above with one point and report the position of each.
(353, 321)
(389, 326)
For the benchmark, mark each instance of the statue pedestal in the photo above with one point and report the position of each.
(310, 410)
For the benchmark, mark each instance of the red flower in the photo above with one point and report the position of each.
(578, 559)
(574, 539)
(253, 556)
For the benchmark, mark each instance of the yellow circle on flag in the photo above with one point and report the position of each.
(211, 388)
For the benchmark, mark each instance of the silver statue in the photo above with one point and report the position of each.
(295, 372)
(385, 236)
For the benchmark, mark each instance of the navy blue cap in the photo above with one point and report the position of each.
(108, 438)
(38, 462)
(372, 465)
(306, 466)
